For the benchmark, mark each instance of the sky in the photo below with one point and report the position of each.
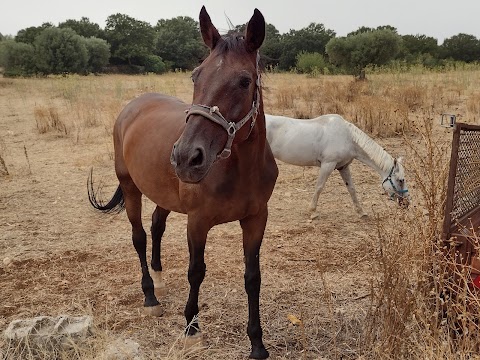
(436, 18)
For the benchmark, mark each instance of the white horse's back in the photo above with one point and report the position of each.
(310, 142)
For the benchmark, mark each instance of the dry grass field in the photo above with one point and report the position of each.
(359, 286)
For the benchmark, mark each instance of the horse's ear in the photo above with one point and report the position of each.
(209, 32)
(255, 33)
(395, 163)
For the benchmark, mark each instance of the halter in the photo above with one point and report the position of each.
(396, 191)
(213, 113)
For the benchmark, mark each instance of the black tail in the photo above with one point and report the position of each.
(116, 203)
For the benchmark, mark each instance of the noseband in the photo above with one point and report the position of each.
(213, 113)
(397, 192)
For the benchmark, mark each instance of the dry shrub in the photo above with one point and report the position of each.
(412, 96)
(380, 116)
(473, 105)
(418, 310)
(285, 98)
(88, 113)
(48, 119)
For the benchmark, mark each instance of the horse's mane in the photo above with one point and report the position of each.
(373, 150)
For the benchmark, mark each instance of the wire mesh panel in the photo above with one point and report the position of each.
(466, 196)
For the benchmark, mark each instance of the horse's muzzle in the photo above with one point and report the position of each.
(190, 163)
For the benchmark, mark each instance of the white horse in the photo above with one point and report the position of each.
(331, 142)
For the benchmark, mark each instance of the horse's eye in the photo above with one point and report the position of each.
(245, 82)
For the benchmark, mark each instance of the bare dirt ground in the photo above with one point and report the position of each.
(68, 259)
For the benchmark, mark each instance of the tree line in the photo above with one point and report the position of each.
(128, 45)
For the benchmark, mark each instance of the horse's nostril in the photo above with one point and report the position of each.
(197, 158)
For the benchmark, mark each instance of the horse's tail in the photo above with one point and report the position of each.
(116, 203)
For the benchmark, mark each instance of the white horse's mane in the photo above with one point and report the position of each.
(373, 150)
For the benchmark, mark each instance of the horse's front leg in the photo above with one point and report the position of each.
(253, 228)
(325, 170)
(159, 218)
(197, 231)
(347, 179)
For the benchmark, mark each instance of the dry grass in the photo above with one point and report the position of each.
(360, 289)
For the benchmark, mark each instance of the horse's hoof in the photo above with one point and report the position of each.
(259, 353)
(364, 216)
(158, 283)
(314, 216)
(193, 341)
(153, 310)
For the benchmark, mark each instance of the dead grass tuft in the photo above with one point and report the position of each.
(48, 119)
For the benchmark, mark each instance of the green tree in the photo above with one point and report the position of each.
(272, 46)
(28, 35)
(461, 47)
(179, 42)
(420, 44)
(16, 58)
(419, 48)
(98, 54)
(313, 38)
(2, 37)
(59, 51)
(355, 52)
(83, 27)
(131, 40)
(366, 29)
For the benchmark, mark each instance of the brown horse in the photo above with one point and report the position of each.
(214, 164)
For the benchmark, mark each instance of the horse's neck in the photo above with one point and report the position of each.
(371, 153)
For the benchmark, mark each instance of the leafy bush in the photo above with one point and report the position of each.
(154, 64)
(60, 51)
(17, 59)
(98, 54)
(311, 63)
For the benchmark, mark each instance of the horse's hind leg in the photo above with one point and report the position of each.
(347, 179)
(325, 170)
(133, 206)
(159, 218)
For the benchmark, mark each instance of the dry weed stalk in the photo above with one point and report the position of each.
(28, 160)
(3, 165)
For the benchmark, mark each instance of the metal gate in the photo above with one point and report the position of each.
(461, 228)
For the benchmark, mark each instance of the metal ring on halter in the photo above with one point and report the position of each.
(231, 130)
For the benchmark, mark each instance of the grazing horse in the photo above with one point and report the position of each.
(331, 142)
(209, 160)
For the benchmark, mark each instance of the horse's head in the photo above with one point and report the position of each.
(226, 98)
(395, 184)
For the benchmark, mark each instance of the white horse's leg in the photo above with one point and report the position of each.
(347, 179)
(325, 170)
